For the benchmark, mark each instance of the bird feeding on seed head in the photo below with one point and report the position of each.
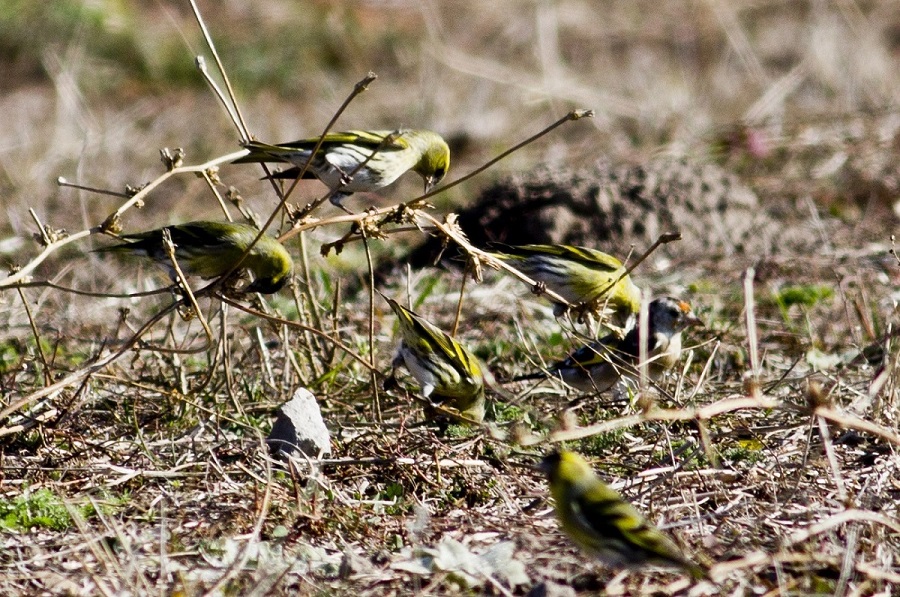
(598, 366)
(357, 161)
(577, 274)
(211, 249)
(448, 372)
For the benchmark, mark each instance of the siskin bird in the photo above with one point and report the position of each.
(210, 249)
(578, 274)
(601, 522)
(599, 365)
(447, 370)
(385, 156)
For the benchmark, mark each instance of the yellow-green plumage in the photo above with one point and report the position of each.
(385, 156)
(210, 249)
(600, 521)
(577, 274)
(447, 371)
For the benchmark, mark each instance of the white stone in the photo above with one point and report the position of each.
(300, 428)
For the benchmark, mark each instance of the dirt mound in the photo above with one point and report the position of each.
(612, 207)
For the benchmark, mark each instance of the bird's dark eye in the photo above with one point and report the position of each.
(439, 173)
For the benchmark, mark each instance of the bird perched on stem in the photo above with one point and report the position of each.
(355, 161)
(602, 523)
(211, 249)
(447, 371)
(599, 365)
(577, 274)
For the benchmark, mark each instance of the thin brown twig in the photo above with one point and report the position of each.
(662, 239)
(221, 200)
(459, 303)
(169, 248)
(238, 119)
(229, 106)
(76, 291)
(37, 338)
(730, 404)
(371, 329)
(61, 181)
(308, 290)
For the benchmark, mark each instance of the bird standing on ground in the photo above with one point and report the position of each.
(448, 372)
(577, 274)
(599, 365)
(601, 522)
(210, 249)
(384, 155)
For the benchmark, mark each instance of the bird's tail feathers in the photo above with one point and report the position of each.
(289, 174)
(123, 247)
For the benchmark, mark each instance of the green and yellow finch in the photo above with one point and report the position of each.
(385, 156)
(449, 374)
(210, 249)
(577, 274)
(596, 367)
(601, 522)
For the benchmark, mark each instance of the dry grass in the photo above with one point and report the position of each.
(134, 468)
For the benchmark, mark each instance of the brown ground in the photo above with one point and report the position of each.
(767, 133)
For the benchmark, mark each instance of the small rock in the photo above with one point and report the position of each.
(299, 428)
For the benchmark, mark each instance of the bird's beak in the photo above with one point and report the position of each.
(266, 285)
(693, 321)
(690, 318)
